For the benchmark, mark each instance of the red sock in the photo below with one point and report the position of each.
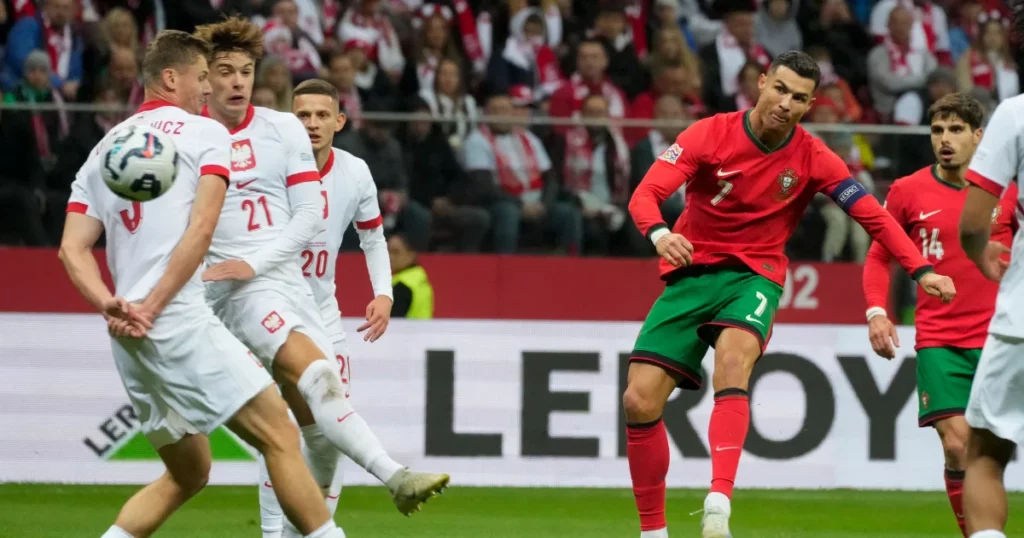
(647, 452)
(955, 490)
(727, 432)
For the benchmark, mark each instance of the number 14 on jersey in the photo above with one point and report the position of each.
(931, 245)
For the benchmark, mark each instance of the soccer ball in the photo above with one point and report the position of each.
(139, 163)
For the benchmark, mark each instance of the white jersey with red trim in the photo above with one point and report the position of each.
(270, 155)
(141, 236)
(999, 160)
(351, 198)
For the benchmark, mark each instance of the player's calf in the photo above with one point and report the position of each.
(985, 507)
(953, 432)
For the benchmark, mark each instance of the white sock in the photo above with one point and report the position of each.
(988, 534)
(321, 387)
(321, 456)
(328, 530)
(660, 533)
(271, 515)
(116, 532)
(334, 495)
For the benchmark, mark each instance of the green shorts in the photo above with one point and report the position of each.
(698, 302)
(944, 376)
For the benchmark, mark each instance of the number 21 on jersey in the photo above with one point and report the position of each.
(930, 243)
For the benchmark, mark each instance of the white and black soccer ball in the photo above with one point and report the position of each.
(139, 163)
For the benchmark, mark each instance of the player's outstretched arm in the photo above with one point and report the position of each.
(876, 281)
(975, 230)
(188, 254)
(369, 226)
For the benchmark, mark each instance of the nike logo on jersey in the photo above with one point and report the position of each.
(721, 448)
(926, 215)
(754, 320)
(723, 173)
(243, 184)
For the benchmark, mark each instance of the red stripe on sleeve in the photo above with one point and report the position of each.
(303, 177)
(77, 207)
(215, 170)
(984, 183)
(370, 224)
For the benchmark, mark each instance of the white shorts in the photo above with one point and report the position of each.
(190, 375)
(997, 393)
(263, 318)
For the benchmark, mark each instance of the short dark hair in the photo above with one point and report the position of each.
(315, 86)
(960, 105)
(800, 63)
(171, 49)
(233, 35)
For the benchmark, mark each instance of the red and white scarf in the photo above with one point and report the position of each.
(352, 105)
(376, 30)
(511, 182)
(636, 18)
(581, 90)
(982, 74)
(58, 45)
(902, 62)
(578, 170)
(296, 48)
(23, 8)
(331, 10)
(470, 37)
(732, 57)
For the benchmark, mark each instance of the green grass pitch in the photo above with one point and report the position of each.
(50, 511)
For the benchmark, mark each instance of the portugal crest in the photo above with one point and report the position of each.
(996, 213)
(787, 181)
(924, 400)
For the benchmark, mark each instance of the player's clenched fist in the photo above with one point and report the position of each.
(938, 286)
(883, 336)
(675, 249)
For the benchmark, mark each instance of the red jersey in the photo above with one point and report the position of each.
(929, 209)
(744, 200)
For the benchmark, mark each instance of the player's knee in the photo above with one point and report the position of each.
(192, 482)
(321, 382)
(732, 369)
(641, 405)
(954, 447)
(283, 437)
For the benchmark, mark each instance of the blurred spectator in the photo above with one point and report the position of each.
(6, 23)
(965, 29)
(449, 100)
(414, 296)
(375, 144)
(704, 28)
(51, 32)
(668, 108)
(442, 185)
(590, 78)
(365, 22)
(527, 58)
(836, 30)
(834, 87)
(612, 28)
(342, 75)
(733, 48)
(775, 26)
(513, 161)
(274, 74)
(671, 48)
(895, 67)
(840, 229)
(264, 97)
(749, 91)
(284, 39)
(910, 151)
(594, 164)
(86, 132)
(118, 30)
(369, 79)
(31, 139)
(313, 17)
(928, 27)
(433, 43)
(668, 79)
(988, 63)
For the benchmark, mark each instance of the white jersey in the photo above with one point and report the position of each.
(141, 236)
(999, 160)
(351, 198)
(271, 160)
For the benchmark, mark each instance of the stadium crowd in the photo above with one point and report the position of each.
(452, 183)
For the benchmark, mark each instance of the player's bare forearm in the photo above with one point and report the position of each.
(884, 229)
(189, 253)
(976, 222)
(661, 181)
(307, 205)
(80, 235)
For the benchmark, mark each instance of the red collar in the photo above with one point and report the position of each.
(249, 113)
(328, 165)
(154, 104)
